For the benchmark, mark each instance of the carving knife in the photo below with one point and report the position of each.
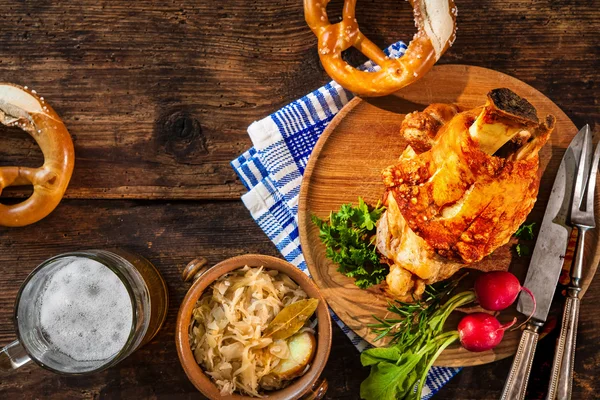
(544, 269)
(582, 217)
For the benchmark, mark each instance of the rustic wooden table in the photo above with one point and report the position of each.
(157, 96)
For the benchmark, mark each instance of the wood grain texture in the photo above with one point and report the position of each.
(158, 96)
(168, 234)
(344, 166)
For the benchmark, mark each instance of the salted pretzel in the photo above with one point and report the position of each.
(22, 108)
(436, 24)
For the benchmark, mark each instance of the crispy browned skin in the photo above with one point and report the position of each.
(455, 202)
(420, 127)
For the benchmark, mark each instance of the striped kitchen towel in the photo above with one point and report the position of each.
(272, 172)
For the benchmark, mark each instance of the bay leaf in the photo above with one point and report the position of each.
(291, 319)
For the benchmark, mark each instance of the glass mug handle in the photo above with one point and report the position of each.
(13, 356)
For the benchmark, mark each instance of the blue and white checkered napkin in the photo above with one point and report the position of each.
(272, 171)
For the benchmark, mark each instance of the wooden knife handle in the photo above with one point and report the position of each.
(516, 383)
(561, 380)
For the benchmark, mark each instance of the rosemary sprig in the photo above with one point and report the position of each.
(413, 316)
(398, 369)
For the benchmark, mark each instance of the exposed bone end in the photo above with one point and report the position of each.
(510, 105)
(533, 146)
(505, 115)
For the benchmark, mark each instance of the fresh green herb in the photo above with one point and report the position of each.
(413, 315)
(349, 238)
(397, 369)
(525, 231)
(522, 249)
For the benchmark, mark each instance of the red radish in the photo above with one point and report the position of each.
(497, 290)
(481, 331)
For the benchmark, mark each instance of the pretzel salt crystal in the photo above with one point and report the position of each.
(22, 108)
(436, 24)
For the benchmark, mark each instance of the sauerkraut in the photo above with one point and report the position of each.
(227, 324)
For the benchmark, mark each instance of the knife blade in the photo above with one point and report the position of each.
(582, 218)
(551, 245)
(544, 269)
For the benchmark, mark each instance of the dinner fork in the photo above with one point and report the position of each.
(561, 380)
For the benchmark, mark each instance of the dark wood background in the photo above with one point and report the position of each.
(157, 96)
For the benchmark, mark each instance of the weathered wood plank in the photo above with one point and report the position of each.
(158, 95)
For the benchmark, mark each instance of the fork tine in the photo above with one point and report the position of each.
(589, 207)
(582, 172)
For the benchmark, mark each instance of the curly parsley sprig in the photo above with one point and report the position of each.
(525, 232)
(349, 238)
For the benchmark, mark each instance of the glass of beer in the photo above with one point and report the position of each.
(83, 312)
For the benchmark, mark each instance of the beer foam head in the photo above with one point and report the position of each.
(85, 311)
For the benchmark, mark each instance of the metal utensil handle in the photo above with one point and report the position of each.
(516, 383)
(561, 379)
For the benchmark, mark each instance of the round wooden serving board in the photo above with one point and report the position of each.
(363, 139)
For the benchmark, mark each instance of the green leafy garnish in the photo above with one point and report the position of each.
(397, 369)
(413, 316)
(525, 231)
(349, 239)
(522, 249)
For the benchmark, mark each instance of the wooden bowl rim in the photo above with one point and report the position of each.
(193, 370)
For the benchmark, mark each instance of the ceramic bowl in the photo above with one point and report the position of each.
(308, 385)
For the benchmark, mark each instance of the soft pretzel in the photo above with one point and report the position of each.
(436, 24)
(22, 108)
